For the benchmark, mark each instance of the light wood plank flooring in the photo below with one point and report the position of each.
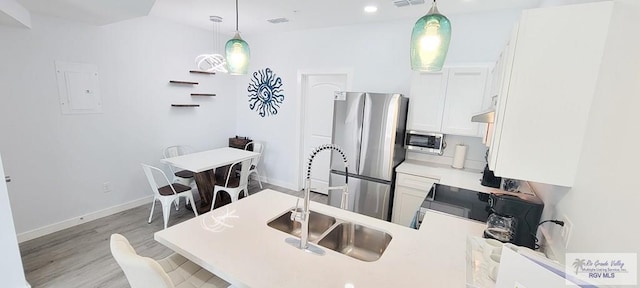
(80, 256)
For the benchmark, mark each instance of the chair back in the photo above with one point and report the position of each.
(176, 150)
(141, 272)
(244, 172)
(258, 147)
(153, 174)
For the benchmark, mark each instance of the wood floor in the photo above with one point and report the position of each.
(80, 256)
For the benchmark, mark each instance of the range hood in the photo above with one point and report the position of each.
(484, 117)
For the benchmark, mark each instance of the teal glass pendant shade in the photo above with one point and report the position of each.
(238, 55)
(430, 41)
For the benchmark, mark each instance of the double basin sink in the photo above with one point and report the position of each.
(354, 240)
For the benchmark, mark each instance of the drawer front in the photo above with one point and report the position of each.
(415, 182)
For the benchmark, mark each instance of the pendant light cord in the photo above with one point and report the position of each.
(237, 15)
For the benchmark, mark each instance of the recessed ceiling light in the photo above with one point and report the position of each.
(370, 9)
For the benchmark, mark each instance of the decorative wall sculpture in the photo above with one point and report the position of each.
(265, 92)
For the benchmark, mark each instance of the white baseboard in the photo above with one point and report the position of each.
(280, 183)
(55, 227)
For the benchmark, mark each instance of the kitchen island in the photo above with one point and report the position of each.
(235, 243)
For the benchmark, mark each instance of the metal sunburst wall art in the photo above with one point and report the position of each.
(265, 92)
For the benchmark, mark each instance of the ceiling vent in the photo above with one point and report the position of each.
(278, 20)
(403, 3)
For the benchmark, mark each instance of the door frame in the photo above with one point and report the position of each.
(302, 77)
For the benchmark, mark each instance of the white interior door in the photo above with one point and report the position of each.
(10, 262)
(318, 93)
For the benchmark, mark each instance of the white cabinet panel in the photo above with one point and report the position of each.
(426, 101)
(503, 88)
(445, 101)
(464, 98)
(410, 192)
(544, 107)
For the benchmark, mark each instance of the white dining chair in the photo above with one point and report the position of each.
(183, 177)
(166, 194)
(174, 271)
(258, 147)
(236, 185)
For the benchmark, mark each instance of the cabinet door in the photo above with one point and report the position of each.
(410, 192)
(543, 119)
(465, 97)
(503, 87)
(407, 202)
(427, 101)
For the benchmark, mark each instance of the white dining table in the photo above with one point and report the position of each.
(203, 164)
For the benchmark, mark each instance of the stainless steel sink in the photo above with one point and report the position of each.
(356, 241)
(318, 224)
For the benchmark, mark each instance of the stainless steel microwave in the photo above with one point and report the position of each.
(425, 142)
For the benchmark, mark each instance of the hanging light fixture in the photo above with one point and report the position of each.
(213, 62)
(430, 41)
(238, 53)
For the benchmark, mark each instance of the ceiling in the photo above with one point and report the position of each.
(306, 14)
(96, 12)
(302, 14)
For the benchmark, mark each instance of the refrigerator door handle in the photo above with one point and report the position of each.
(359, 141)
(361, 177)
(366, 127)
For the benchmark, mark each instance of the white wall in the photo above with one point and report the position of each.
(603, 202)
(59, 162)
(376, 53)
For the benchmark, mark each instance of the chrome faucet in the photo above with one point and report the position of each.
(303, 216)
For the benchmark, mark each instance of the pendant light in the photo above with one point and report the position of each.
(213, 62)
(238, 53)
(430, 41)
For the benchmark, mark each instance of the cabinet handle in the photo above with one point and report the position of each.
(7, 179)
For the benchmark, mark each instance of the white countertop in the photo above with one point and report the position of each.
(252, 254)
(445, 174)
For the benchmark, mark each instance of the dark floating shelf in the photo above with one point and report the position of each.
(185, 105)
(202, 94)
(202, 72)
(183, 82)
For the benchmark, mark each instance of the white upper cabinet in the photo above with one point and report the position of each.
(465, 98)
(426, 100)
(445, 101)
(547, 91)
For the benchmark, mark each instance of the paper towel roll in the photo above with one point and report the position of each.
(458, 156)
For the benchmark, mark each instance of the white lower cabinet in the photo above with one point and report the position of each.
(410, 192)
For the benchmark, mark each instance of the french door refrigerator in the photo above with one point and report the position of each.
(370, 128)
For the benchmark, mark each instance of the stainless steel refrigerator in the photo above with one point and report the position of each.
(370, 128)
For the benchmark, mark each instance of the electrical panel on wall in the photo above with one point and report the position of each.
(78, 88)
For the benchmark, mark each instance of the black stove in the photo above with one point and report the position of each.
(459, 202)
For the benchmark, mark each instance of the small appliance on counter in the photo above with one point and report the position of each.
(425, 142)
(488, 178)
(514, 218)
